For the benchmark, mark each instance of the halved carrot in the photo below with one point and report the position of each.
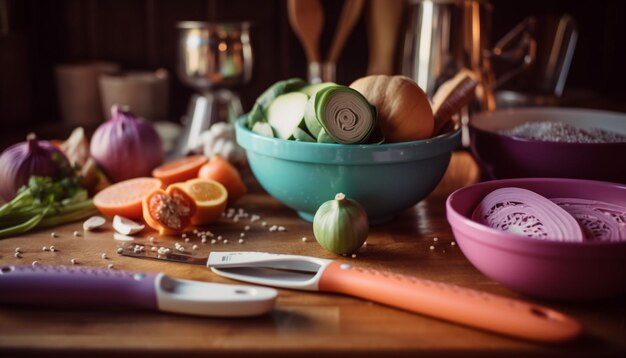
(225, 173)
(179, 170)
(124, 198)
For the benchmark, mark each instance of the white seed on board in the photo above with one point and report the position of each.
(120, 250)
(18, 250)
(104, 256)
(52, 248)
(35, 263)
(247, 227)
(45, 248)
(17, 255)
(225, 241)
(304, 239)
(241, 241)
(194, 247)
(213, 241)
(110, 266)
(74, 261)
(53, 234)
(431, 247)
(76, 234)
(281, 228)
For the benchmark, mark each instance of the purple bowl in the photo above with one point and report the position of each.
(547, 269)
(502, 156)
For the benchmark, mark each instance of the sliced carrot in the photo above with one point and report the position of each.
(179, 170)
(225, 173)
(124, 198)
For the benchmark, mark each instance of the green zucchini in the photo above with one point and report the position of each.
(286, 113)
(310, 90)
(344, 114)
(302, 135)
(264, 129)
(258, 112)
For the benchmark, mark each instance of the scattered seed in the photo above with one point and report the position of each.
(304, 239)
(213, 241)
(281, 228)
(204, 237)
(453, 243)
(435, 239)
(184, 235)
(111, 266)
(236, 218)
(247, 227)
(53, 234)
(203, 240)
(52, 248)
(17, 255)
(151, 239)
(18, 250)
(45, 248)
(432, 247)
(181, 249)
(264, 223)
(74, 262)
(225, 241)
(365, 243)
(354, 256)
(444, 251)
(35, 263)
(120, 250)
(104, 256)
(273, 228)
(241, 241)
(194, 247)
(243, 234)
(77, 234)
(154, 248)
(195, 231)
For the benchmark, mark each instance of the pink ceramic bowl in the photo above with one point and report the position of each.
(546, 269)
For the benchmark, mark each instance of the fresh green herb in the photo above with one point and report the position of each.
(44, 203)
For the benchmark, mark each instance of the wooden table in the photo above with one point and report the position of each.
(303, 324)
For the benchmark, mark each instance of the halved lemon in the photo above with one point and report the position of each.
(210, 197)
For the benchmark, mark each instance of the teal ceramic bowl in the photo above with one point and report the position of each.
(385, 179)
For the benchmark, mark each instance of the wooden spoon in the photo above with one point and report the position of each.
(385, 17)
(307, 21)
(349, 15)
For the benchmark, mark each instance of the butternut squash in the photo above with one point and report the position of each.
(404, 112)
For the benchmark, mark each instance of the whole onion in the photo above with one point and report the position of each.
(32, 157)
(126, 147)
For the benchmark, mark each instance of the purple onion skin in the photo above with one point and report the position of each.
(126, 147)
(32, 157)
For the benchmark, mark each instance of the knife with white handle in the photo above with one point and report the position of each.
(436, 299)
(68, 286)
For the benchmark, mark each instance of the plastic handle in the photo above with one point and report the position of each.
(65, 286)
(461, 305)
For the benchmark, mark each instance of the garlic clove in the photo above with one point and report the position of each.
(126, 226)
(93, 223)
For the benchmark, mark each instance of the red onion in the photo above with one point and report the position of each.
(126, 147)
(32, 157)
(601, 221)
(523, 212)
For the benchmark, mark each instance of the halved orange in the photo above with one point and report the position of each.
(179, 170)
(124, 198)
(210, 197)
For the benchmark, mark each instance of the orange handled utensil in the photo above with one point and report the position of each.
(444, 301)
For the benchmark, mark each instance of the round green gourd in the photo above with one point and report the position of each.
(341, 225)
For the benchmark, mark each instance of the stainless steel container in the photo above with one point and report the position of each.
(444, 36)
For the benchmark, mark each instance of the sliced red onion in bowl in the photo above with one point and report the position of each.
(601, 221)
(524, 212)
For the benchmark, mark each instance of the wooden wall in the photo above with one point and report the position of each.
(141, 34)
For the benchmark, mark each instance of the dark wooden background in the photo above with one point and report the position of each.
(141, 34)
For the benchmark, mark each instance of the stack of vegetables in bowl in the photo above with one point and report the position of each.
(376, 141)
(50, 183)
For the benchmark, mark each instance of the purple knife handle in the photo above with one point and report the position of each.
(65, 286)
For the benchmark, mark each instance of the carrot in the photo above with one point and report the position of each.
(225, 173)
(179, 170)
(124, 198)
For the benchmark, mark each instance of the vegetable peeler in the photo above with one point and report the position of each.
(444, 301)
(66, 286)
